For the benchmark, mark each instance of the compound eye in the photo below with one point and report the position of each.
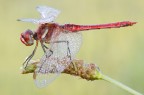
(27, 38)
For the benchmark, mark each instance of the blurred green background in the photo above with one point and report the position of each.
(118, 52)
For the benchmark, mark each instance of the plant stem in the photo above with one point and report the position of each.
(117, 83)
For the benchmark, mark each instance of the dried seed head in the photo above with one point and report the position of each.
(83, 70)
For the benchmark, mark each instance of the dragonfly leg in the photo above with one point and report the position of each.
(44, 47)
(68, 53)
(74, 65)
(30, 56)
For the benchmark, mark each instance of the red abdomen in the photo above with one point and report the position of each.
(75, 28)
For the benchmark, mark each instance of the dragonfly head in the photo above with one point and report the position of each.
(27, 38)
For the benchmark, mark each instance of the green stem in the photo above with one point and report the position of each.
(106, 78)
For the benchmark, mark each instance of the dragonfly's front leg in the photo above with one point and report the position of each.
(44, 47)
(30, 56)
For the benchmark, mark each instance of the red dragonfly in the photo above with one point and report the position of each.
(64, 40)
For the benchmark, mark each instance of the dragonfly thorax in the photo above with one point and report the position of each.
(45, 32)
(27, 38)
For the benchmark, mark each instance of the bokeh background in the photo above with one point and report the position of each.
(118, 52)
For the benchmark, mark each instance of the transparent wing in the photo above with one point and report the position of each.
(48, 14)
(31, 20)
(42, 80)
(43, 77)
(69, 40)
(57, 58)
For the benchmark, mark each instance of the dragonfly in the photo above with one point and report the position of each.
(64, 42)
